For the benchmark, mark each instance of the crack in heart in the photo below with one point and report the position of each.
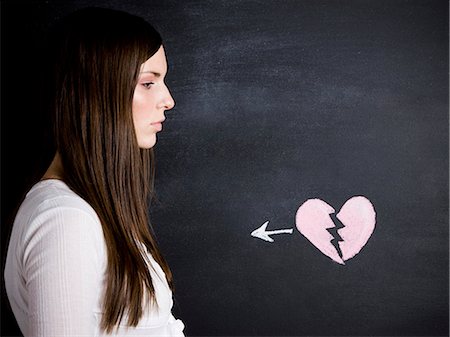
(314, 218)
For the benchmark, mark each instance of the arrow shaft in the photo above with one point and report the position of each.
(280, 231)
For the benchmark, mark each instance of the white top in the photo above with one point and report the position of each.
(56, 267)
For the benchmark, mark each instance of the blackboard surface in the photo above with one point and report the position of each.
(280, 102)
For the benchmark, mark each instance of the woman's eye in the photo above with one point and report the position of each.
(147, 85)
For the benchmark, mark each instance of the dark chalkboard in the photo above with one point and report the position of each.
(282, 104)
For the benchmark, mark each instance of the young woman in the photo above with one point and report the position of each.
(82, 260)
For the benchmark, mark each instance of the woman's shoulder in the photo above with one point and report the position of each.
(56, 194)
(55, 228)
(52, 205)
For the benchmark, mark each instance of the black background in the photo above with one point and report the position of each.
(278, 102)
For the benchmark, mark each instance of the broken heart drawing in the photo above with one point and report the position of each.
(314, 220)
(357, 216)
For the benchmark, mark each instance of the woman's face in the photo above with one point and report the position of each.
(151, 99)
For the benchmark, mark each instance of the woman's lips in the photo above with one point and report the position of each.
(157, 125)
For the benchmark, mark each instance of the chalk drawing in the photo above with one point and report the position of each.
(314, 220)
(264, 234)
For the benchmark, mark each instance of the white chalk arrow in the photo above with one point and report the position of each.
(264, 234)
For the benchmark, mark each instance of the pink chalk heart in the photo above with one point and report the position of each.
(357, 215)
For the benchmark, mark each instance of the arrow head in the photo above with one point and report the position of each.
(261, 233)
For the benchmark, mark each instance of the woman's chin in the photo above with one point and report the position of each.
(147, 143)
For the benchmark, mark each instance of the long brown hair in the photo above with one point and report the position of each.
(97, 58)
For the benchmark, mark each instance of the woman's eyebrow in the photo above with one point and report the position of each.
(151, 72)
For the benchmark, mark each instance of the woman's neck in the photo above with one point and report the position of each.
(55, 170)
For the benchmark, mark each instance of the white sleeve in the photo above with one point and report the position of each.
(63, 269)
(176, 327)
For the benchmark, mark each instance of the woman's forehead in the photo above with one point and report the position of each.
(156, 64)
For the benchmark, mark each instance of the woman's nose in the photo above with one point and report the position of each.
(168, 101)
